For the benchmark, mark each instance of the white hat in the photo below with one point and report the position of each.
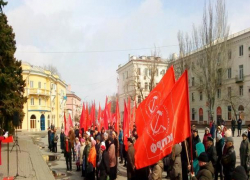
(103, 144)
(228, 133)
(92, 139)
(88, 133)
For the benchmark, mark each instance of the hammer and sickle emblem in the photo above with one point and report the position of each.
(153, 107)
(154, 130)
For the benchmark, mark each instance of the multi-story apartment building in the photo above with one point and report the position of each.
(232, 98)
(74, 106)
(46, 102)
(138, 77)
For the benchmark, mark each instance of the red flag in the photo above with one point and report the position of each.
(86, 117)
(106, 114)
(82, 119)
(8, 140)
(151, 104)
(94, 120)
(117, 114)
(169, 125)
(99, 118)
(126, 126)
(66, 129)
(70, 123)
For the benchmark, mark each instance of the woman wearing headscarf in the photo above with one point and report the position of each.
(206, 135)
(91, 162)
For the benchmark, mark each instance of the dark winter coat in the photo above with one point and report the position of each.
(62, 139)
(205, 139)
(77, 131)
(131, 162)
(142, 174)
(239, 122)
(206, 172)
(212, 130)
(228, 162)
(233, 124)
(195, 140)
(219, 146)
(212, 155)
(67, 153)
(86, 155)
(244, 152)
(104, 165)
(175, 163)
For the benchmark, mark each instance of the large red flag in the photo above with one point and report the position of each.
(106, 114)
(94, 120)
(86, 118)
(66, 128)
(117, 114)
(99, 118)
(151, 104)
(82, 119)
(70, 123)
(126, 126)
(169, 125)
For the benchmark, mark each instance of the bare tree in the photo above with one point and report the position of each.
(52, 69)
(207, 51)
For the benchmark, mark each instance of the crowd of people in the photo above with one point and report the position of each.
(97, 154)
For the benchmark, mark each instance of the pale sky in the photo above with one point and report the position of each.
(88, 39)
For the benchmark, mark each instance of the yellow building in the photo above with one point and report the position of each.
(46, 102)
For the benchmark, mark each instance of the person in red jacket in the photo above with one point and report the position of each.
(207, 134)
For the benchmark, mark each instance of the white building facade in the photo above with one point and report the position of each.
(137, 77)
(234, 89)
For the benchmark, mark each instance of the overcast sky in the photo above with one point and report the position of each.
(104, 25)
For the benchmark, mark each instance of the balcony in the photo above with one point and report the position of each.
(38, 108)
(38, 92)
(239, 79)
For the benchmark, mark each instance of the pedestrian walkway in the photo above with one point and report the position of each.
(30, 162)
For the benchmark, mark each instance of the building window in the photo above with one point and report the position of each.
(229, 54)
(44, 85)
(229, 91)
(32, 101)
(31, 84)
(192, 81)
(241, 72)
(40, 101)
(229, 73)
(139, 71)
(201, 96)
(229, 112)
(163, 72)
(219, 76)
(39, 85)
(139, 85)
(145, 71)
(193, 97)
(241, 90)
(33, 122)
(193, 114)
(157, 72)
(241, 50)
(146, 86)
(218, 93)
(200, 114)
(139, 99)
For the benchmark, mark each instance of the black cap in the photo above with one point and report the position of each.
(210, 139)
(203, 157)
(130, 140)
(195, 130)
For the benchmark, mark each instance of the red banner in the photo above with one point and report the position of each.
(151, 104)
(8, 140)
(126, 126)
(169, 125)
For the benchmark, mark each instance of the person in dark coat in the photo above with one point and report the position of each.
(239, 173)
(206, 171)
(86, 154)
(52, 136)
(195, 140)
(131, 160)
(103, 164)
(49, 142)
(77, 132)
(233, 124)
(116, 149)
(211, 151)
(62, 140)
(228, 159)
(206, 135)
(142, 174)
(67, 154)
(244, 151)
(212, 129)
(121, 145)
(239, 124)
(219, 145)
(97, 148)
